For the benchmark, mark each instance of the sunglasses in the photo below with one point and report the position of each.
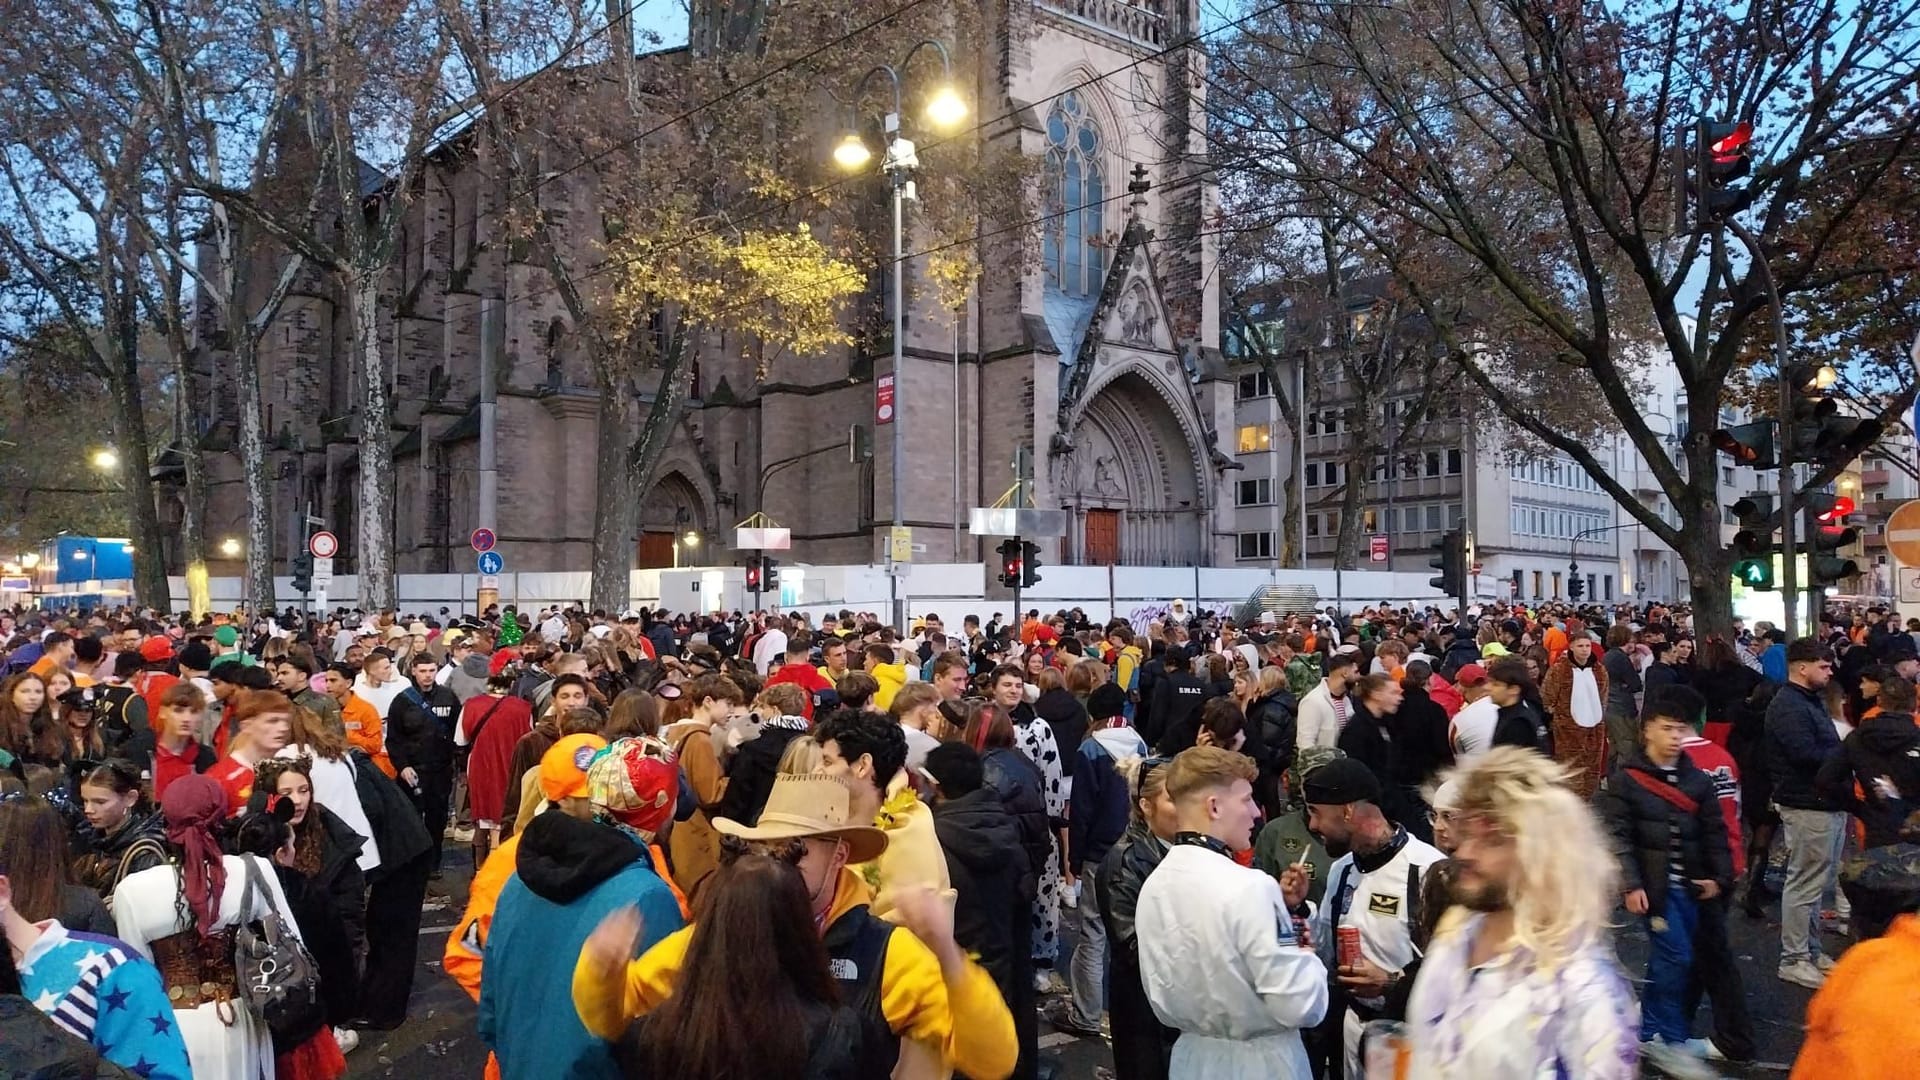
(1147, 768)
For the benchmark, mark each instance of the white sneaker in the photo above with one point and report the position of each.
(1704, 1048)
(1802, 973)
(348, 1039)
(1674, 1060)
(1823, 961)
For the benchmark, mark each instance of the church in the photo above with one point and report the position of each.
(1098, 365)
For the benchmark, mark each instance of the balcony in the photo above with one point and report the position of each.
(1875, 477)
(1142, 21)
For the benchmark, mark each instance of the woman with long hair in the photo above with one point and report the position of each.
(1141, 1043)
(124, 835)
(181, 915)
(635, 714)
(754, 953)
(326, 848)
(1576, 700)
(24, 718)
(322, 750)
(67, 972)
(42, 880)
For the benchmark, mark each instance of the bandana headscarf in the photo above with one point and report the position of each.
(193, 806)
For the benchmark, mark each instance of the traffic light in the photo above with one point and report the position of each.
(1576, 585)
(1029, 564)
(1816, 428)
(1751, 445)
(1722, 154)
(303, 572)
(753, 574)
(1450, 558)
(1012, 573)
(1827, 533)
(769, 572)
(1753, 546)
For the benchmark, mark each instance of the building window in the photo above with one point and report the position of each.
(1254, 384)
(1433, 518)
(1370, 521)
(1607, 587)
(1333, 474)
(1458, 516)
(1077, 191)
(1433, 463)
(1313, 524)
(1313, 474)
(1254, 493)
(1453, 462)
(1256, 545)
(1253, 438)
(1333, 523)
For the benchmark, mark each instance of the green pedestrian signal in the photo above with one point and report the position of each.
(1754, 573)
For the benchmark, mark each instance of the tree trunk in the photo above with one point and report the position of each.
(150, 587)
(1289, 538)
(656, 428)
(616, 512)
(375, 536)
(193, 503)
(253, 464)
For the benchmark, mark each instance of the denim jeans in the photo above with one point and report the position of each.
(1669, 967)
(1088, 974)
(1811, 836)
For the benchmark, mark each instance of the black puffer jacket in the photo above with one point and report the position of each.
(1276, 717)
(987, 863)
(1066, 716)
(751, 772)
(1019, 784)
(140, 843)
(1884, 747)
(1142, 1045)
(1641, 823)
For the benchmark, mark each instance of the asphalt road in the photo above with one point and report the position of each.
(439, 1037)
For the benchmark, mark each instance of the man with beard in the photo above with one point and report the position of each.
(1375, 888)
(1520, 978)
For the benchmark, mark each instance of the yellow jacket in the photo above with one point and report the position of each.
(963, 1020)
(891, 678)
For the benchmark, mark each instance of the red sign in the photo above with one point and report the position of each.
(1377, 548)
(323, 545)
(883, 399)
(483, 539)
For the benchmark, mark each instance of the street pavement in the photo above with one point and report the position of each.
(439, 1037)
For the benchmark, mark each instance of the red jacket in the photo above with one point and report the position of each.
(806, 677)
(1446, 695)
(1711, 758)
(507, 719)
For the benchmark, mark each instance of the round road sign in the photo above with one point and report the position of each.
(483, 539)
(490, 563)
(1903, 533)
(323, 545)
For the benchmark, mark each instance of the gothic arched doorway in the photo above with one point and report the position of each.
(1131, 485)
(670, 515)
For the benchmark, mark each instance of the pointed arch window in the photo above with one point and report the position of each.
(1072, 244)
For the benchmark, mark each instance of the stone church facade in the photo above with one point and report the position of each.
(1099, 363)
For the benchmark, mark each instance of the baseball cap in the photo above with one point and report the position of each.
(156, 650)
(635, 781)
(563, 768)
(226, 636)
(1470, 675)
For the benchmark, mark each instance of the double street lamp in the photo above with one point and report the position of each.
(945, 110)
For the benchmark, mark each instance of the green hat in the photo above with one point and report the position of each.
(226, 636)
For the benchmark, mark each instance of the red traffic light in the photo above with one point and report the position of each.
(1732, 146)
(1842, 506)
(1012, 568)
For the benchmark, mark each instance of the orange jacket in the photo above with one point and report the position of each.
(1860, 1023)
(467, 944)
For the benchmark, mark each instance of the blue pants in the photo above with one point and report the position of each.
(1663, 1014)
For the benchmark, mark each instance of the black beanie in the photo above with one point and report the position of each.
(1342, 781)
(1106, 701)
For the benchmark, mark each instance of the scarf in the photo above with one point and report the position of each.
(1584, 697)
(192, 807)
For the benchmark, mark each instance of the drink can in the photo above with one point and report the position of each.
(1349, 939)
(1386, 1053)
(1301, 933)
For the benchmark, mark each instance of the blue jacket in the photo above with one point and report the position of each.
(1100, 811)
(568, 875)
(101, 991)
(1773, 662)
(1800, 739)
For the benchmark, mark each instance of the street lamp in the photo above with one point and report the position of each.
(945, 109)
(105, 459)
(230, 547)
(30, 560)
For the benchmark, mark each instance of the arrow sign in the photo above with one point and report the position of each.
(491, 563)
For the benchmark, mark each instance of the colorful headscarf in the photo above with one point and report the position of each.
(193, 807)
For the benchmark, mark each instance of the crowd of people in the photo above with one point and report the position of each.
(1392, 839)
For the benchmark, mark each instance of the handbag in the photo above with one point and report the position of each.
(278, 980)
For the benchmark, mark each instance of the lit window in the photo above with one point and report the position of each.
(1254, 438)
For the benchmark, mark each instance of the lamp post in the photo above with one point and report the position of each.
(944, 110)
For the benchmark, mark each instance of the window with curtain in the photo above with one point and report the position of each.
(1077, 191)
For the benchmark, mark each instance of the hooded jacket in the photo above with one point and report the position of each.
(1141, 1043)
(469, 678)
(808, 678)
(891, 678)
(986, 863)
(1642, 823)
(1066, 716)
(568, 875)
(1099, 811)
(1018, 782)
(1884, 746)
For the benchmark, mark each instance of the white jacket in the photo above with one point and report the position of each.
(1220, 962)
(1319, 724)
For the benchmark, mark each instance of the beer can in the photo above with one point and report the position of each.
(1349, 940)
(1300, 932)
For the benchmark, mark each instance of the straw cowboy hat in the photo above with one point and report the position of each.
(811, 806)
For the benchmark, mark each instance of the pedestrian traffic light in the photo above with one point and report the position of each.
(753, 573)
(1753, 546)
(1029, 564)
(1755, 574)
(769, 572)
(1010, 563)
(1751, 445)
(1723, 153)
(1450, 558)
(303, 572)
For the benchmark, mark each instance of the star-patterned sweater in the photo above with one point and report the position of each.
(107, 994)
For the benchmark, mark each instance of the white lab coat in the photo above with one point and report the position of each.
(1220, 961)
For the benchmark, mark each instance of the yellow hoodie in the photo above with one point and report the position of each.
(891, 678)
(962, 1019)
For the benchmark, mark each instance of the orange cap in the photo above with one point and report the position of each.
(563, 769)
